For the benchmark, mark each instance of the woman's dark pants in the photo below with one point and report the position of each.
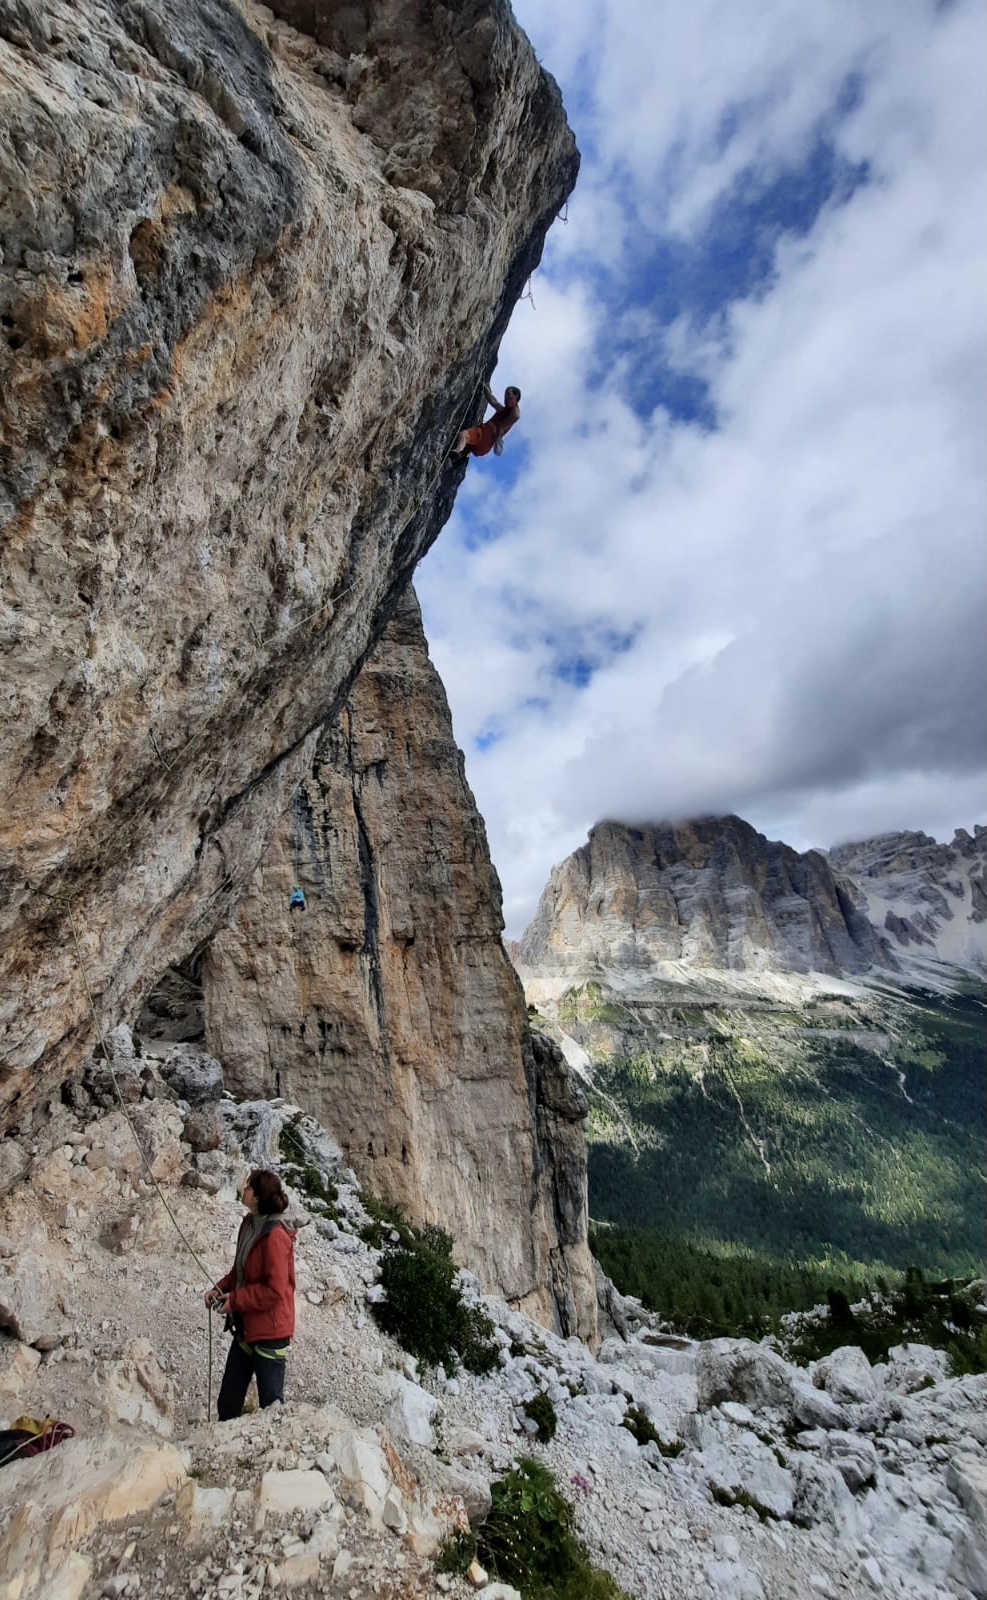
(246, 1361)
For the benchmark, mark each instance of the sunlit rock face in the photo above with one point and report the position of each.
(254, 266)
(709, 893)
(387, 1005)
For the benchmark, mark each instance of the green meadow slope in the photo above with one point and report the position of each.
(840, 1133)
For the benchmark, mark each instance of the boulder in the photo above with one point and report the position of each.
(847, 1376)
(968, 1566)
(466, 1442)
(281, 1494)
(814, 1408)
(425, 1531)
(821, 1495)
(193, 1076)
(204, 1510)
(747, 1466)
(473, 1488)
(913, 1367)
(52, 1503)
(299, 1569)
(204, 1127)
(364, 1470)
(675, 1356)
(410, 1413)
(118, 1076)
(854, 1458)
(736, 1369)
(253, 1129)
(731, 1580)
(966, 1476)
(32, 1302)
(13, 1163)
(116, 1143)
(135, 1389)
(18, 1364)
(112, 1146)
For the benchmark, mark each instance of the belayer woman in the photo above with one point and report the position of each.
(258, 1297)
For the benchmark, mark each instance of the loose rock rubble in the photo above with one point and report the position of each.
(764, 1481)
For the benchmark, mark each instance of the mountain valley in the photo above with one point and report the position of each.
(748, 1102)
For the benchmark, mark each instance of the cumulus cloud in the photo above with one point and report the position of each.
(733, 556)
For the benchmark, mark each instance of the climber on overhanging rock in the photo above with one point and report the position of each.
(490, 434)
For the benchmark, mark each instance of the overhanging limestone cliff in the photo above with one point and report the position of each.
(388, 1006)
(254, 264)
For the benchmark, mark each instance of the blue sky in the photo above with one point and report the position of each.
(732, 557)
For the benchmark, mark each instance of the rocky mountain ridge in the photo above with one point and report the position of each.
(717, 1471)
(713, 899)
(930, 899)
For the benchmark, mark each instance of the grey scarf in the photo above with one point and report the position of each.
(245, 1243)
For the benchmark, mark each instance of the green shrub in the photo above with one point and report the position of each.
(385, 1219)
(425, 1310)
(298, 1169)
(740, 1497)
(455, 1553)
(542, 1413)
(638, 1422)
(528, 1540)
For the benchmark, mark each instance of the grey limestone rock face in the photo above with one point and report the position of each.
(194, 1076)
(254, 265)
(709, 893)
(929, 897)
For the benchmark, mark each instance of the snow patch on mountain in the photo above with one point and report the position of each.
(928, 899)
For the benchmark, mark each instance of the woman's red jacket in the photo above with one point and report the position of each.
(266, 1303)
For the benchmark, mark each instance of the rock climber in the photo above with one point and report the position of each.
(258, 1298)
(490, 434)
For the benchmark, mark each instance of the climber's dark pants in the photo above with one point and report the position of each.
(246, 1361)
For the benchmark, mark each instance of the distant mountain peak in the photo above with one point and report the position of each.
(712, 893)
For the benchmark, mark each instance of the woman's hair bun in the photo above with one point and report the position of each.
(267, 1186)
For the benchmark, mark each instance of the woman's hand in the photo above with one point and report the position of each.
(216, 1300)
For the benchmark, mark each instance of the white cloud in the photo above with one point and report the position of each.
(798, 596)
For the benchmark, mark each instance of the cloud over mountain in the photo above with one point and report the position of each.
(732, 558)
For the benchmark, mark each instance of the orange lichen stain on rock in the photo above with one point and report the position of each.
(404, 1478)
(177, 201)
(62, 319)
(230, 304)
(20, 524)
